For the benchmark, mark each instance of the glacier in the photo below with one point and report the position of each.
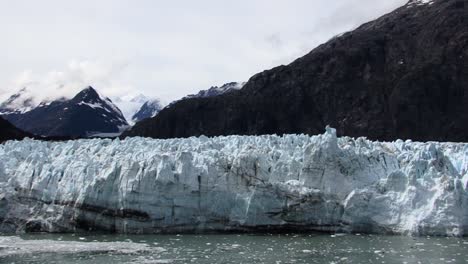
(235, 183)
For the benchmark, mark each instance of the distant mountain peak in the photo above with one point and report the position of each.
(87, 113)
(89, 90)
(87, 94)
(19, 102)
(22, 90)
(131, 104)
(140, 98)
(148, 109)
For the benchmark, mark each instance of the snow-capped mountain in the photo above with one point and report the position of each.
(215, 90)
(151, 108)
(86, 114)
(139, 107)
(18, 103)
(130, 105)
(147, 110)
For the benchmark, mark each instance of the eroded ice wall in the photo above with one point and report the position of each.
(240, 183)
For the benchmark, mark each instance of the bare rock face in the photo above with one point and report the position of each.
(235, 183)
(404, 75)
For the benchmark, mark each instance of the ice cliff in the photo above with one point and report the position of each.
(236, 183)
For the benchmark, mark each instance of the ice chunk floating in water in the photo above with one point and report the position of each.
(11, 246)
(239, 183)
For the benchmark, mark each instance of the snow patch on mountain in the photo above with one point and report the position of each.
(130, 104)
(420, 2)
(215, 90)
(91, 105)
(148, 109)
(18, 103)
(133, 106)
(241, 183)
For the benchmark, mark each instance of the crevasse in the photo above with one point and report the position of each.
(235, 183)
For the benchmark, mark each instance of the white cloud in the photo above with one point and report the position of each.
(46, 86)
(161, 48)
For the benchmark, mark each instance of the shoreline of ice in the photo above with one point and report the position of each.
(235, 183)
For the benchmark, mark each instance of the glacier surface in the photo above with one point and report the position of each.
(235, 183)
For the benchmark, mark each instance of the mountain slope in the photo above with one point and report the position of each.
(129, 105)
(83, 115)
(10, 132)
(152, 107)
(17, 103)
(147, 110)
(215, 90)
(404, 75)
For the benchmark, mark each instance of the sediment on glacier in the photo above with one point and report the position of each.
(235, 183)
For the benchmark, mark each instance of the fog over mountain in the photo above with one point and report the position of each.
(56, 48)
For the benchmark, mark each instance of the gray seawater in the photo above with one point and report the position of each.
(274, 248)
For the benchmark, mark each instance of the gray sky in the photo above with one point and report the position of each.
(165, 49)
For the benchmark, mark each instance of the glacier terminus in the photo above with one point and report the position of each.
(235, 183)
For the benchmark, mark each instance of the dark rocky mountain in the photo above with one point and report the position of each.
(147, 110)
(10, 132)
(86, 114)
(152, 107)
(404, 75)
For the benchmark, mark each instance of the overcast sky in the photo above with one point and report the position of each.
(165, 49)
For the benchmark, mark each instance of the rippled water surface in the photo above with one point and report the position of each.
(291, 248)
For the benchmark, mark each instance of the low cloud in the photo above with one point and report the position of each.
(75, 76)
(164, 49)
